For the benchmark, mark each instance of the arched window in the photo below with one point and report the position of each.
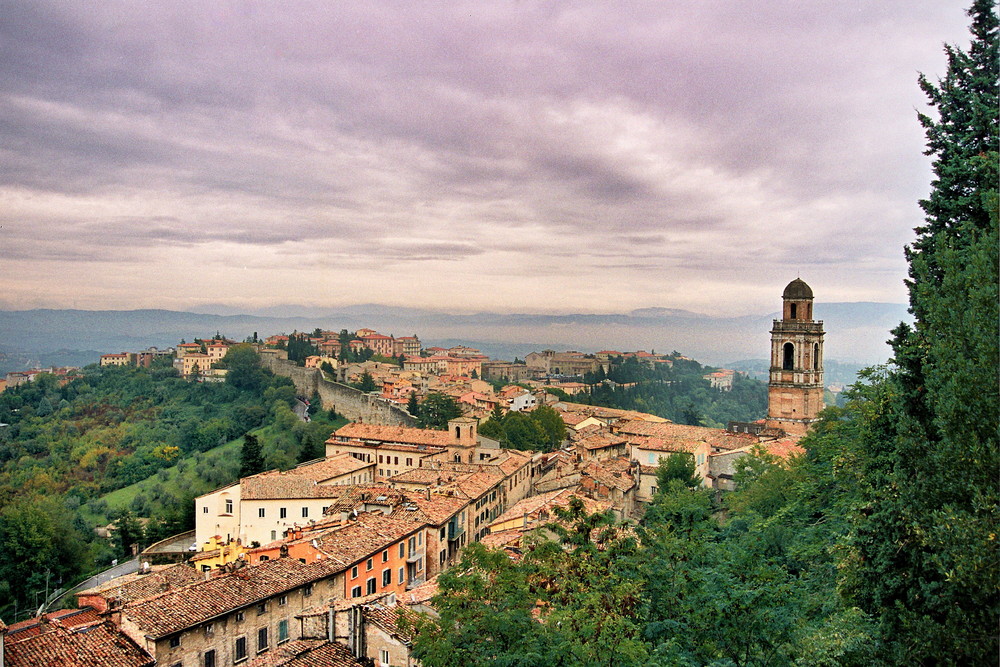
(793, 308)
(788, 357)
(816, 356)
(809, 311)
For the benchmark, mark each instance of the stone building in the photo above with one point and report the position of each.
(795, 390)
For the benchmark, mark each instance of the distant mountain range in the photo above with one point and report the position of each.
(856, 332)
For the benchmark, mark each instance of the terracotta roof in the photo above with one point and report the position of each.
(307, 653)
(680, 437)
(137, 586)
(393, 434)
(609, 474)
(420, 594)
(601, 441)
(363, 537)
(388, 617)
(473, 485)
(200, 602)
(418, 476)
(534, 506)
(304, 481)
(439, 508)
(97, 645)
(503, 539)
(68, 618)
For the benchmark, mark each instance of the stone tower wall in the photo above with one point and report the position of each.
(348, 401)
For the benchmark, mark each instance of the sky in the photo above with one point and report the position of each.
(515, 156)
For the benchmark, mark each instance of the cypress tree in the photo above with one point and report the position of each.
(251, 457)
(925, 559)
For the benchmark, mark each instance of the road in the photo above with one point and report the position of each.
(301, 409)
(128, 567)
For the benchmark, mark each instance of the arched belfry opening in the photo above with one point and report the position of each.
(787, 357)
(795, 389)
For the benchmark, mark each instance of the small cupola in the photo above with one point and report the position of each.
(798, 301)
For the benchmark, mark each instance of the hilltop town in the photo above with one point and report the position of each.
(317, 564)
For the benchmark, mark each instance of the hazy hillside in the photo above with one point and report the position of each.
(855, 331)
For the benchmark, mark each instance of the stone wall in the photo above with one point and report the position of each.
(348, 401)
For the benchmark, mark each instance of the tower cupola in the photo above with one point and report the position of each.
(798, 302)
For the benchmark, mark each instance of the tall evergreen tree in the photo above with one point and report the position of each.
(251, 456)
(925, 548)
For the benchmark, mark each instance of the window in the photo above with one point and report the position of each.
(264, 559)
(444, 556)
(383, 658)
(204, 510)
(261, 640)
(385, 555)
(210, 658)
(788, 357)
(282, 512)
(274, 535)
(354, 572)
(402, 576)
(239, 616)
(356, 592)
(370, 585)
(283, 600)
(370, 564)
(307, 590)
(409, 462)
(443, 531)
(402, 549)
(229, 506)
(260, 513)
(240, 651)
(305, 512)
(419, 564)
(386, 577)
(653, 490)
(209, 629)
(261, 608)
(282, 631)
(175, 641)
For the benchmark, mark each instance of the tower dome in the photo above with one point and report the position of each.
(797, 289)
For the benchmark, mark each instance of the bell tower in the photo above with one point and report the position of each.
(795, 389)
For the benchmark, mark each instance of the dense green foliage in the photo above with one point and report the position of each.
(924, 559)
(436, 410)
(540, 430)
(68, 448)
(677, 392)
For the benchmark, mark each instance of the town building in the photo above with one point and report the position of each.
(795, 389)
(229, 617)
(261, 508)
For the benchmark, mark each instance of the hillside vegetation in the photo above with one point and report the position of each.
(123, 443)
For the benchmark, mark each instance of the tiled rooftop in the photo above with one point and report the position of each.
(96, 645)
(137, 586)
(684, 437)
(68, 618)
(388, 619)
(307, 653)
(305, 481)
(200, 602)
(393, 434)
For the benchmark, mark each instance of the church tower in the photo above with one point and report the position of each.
(795, 390)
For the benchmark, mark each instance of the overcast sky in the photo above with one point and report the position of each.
(514, 156)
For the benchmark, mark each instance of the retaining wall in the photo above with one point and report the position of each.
(346, 400)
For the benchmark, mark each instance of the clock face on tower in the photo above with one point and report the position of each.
(795, 388)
